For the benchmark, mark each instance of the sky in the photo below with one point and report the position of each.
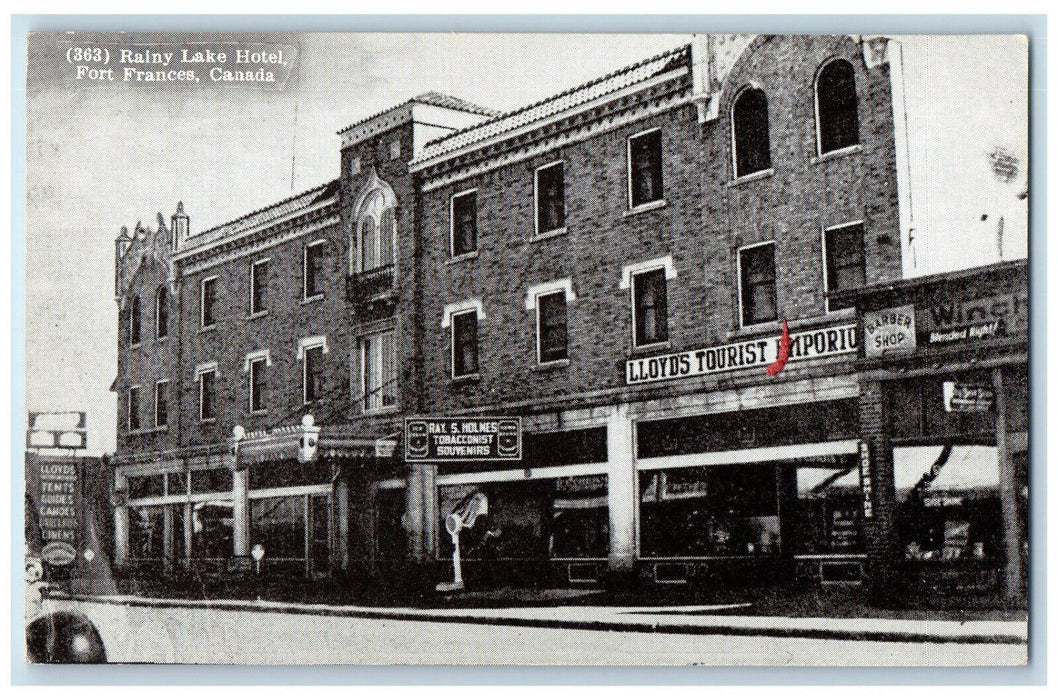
(105, 157)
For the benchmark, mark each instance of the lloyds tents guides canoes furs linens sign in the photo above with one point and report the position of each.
(462, 439)
(760, 352)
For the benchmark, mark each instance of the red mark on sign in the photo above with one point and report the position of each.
(784, 351)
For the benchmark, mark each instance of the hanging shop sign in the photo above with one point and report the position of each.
(968, 398)
(806, 345)
(54, 488)
(889, 331)
(462, 439)
(977, 319)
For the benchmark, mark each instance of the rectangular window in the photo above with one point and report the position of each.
(464, 223)
(207, 302)
(644, 168)
(161, 313)
(134, 321)
(313, 374)
(464, 344)
(844, 257)
(550, 198)
(134, 408)
(552, 341)
(161, 404)
(313, 269)
(379, 371)
(206, 394)
(258, 379)
(259, 287)
(757, 280)
(651, 307)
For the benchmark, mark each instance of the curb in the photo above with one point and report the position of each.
(590, 625)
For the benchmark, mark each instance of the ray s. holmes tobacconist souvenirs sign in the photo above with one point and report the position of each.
(761, 352)
(462, 439)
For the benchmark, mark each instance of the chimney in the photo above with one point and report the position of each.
(181, 224)
(121, 245)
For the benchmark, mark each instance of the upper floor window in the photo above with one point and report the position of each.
(378, 371)
(311, 353)
(837, 120)
(464, 344)
(749, 129)
(312, 269)
(207, 302)
(644, 168)
(552, 341)
(134, 408)
(756, 265)
(207, 380)
(258, 379)
(161, 313)
(378, 233)
(464, 217)
(134, 320)
(650, 307)
(161, 404)
(550, 198)
(845, 265)
(259, 286)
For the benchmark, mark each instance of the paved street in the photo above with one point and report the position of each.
(202, 635)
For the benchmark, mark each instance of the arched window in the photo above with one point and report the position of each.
(837, 122)
(376, 227)
(134, 320)
(161, 313)
(749, 129)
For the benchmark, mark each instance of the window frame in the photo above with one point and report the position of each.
(267, 263)
(647, 270)
(775, 282)
(632, 206)
(131, 414)
(251, 376)
(734, 141)
(305, 350)
(820, 153)
(540, 296)
(158, 295)
(318, 292)
(826, 258)
(558, 230)
(135, 322)
(477, 342)
(199, 378)
(452, 225)
(202, 325)
(364, 371)
(161, 388)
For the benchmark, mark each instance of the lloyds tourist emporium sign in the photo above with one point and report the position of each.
(805, 345)
(462, 439)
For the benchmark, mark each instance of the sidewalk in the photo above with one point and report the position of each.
(729, 619)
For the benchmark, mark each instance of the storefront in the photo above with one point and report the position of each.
(944, 408)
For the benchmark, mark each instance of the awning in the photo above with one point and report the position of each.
(817, 481)
(577, 503)
(970, 469)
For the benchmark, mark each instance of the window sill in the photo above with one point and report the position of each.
(554, 364)
(207, 329)
(461, 257)
(135, 346)
(257, 314)
(832, 155)
(466, 378)
(385, 410)
(206, 421)
(162, 339)
(553, 233)
(138, 432)
(651, 347)
(649, 206)
(752, 177)
(309, 300)
(259, 412)
(767, 327)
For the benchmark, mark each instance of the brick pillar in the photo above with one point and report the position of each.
(415, 515)
(168, 543)
(429, 511)
(340, 555)
(121, 522)
(621, 490)
(1013, 578)
(880, 528)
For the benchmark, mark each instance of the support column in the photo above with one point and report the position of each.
(168, 546)
(189, 529)
(621, 492)
(240, 511)
(429, 511)
(414, 513)
(340, 554)
(1013, 578)
(880, 525)
(121, 521)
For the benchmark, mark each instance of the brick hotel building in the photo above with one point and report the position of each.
(612, 265)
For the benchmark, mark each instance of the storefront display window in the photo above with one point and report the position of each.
(279, 525)
(827, 514)
(146, 532)
(211, 530)
(709, 511)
